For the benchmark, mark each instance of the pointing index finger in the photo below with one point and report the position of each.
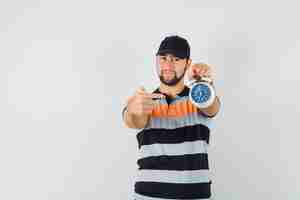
(154, 96)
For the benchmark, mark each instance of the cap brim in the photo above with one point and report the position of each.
(173, 52)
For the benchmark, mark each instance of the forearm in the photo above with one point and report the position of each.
(135, 122)
(213, 109)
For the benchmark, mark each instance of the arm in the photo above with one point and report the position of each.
(212, 110)
(133, 121)
(203, 70)
(139, 108)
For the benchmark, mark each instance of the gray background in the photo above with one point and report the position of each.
(67, 67)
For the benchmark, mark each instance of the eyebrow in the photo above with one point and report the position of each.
(171, 55)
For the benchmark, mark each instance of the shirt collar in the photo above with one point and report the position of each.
(184, 92)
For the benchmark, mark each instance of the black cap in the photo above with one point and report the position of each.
(175, 45)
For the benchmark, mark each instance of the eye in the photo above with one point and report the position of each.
(177, 59)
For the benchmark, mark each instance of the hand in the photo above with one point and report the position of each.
(198, 70)
(142, 103)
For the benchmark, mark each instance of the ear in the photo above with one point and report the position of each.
(189, 62)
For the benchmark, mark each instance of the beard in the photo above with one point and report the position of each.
(173, 81)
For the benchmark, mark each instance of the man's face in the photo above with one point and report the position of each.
(170, 68)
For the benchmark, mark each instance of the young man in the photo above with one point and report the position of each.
(173, 134)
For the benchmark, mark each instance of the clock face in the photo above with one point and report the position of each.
(200, 93)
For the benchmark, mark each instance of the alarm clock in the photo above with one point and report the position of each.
(202, 94)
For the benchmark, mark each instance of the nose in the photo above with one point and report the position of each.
(167, 66)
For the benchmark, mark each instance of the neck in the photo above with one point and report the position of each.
(172, 90)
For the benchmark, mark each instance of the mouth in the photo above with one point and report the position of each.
(168, 73)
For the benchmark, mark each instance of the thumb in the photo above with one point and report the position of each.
(141, 90)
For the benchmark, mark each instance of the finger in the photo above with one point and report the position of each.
(197, 73)
(198, 69)
(140, 90)
(148, 111)
(203, 69)
(148, 108)
(203, 72)
(209, 70)
(153, 96)
(208, 73)
(154, 103)
(194, 71)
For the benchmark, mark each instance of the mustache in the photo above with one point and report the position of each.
(167, 71)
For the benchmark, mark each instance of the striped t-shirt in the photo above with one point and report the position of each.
(173, 159)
